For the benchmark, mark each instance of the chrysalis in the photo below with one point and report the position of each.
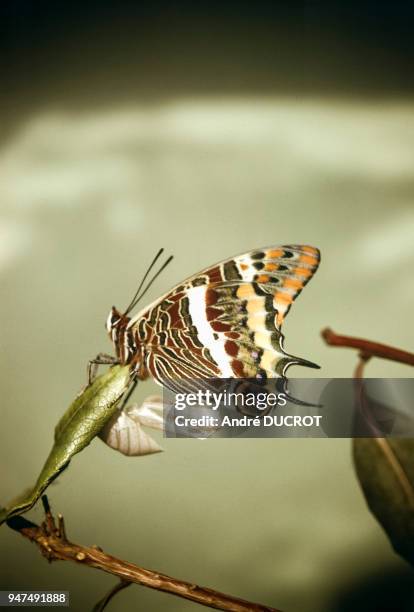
(124, 431)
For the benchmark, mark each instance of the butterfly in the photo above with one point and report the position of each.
(223, 322)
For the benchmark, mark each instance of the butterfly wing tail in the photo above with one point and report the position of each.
(282, 386)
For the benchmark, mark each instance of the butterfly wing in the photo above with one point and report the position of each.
(225, 321)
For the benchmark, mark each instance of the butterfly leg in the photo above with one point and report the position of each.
(100, 359)
(128, 394)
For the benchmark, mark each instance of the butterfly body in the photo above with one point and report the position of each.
(224, 322)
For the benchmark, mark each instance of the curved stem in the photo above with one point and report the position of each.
(367, 350)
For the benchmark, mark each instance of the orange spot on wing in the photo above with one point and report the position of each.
(263, 278)
(293, 283)
(244, 266)
(303, 272)
(274, 254)
(270, 267)
(245, 291)
(309, 259)
(310, 249)
(285, 298)
(255, 305)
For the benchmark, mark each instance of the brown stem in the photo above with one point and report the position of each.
(359, 370)
(383, 443)
(398, 470)
(51, 540)
(368, 348)
(101, 605)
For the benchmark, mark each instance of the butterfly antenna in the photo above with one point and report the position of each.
(154, 261)
(138, 296)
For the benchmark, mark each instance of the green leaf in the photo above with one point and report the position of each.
(385, 468)
(82, 421)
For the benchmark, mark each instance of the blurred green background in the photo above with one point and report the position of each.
(126, 127)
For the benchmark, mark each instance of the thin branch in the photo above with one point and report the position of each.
(363, 404)
(399, 472)
(51, 539)
(101, 605)
(368, 348)
(359, 370)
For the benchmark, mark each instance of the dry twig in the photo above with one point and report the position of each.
(51, 538)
